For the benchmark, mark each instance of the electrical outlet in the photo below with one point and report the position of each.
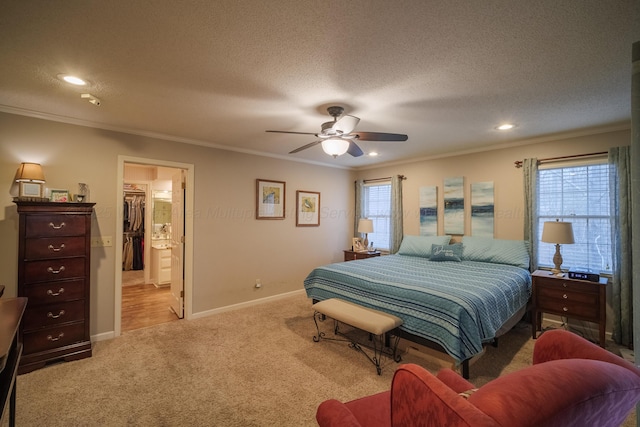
(99, 242)
(258, 283)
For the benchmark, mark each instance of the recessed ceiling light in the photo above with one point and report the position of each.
(373, 153)
(506, 126)
(72, 79)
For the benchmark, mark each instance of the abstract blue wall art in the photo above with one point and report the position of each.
(482, 209)
(454, 205)
(429, 211)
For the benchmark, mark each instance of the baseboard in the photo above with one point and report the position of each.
(245, 304)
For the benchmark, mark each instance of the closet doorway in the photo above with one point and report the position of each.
(151, 288)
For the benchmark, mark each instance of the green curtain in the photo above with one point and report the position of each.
(530, 178)
(358, 207)
(396, 213)
(620, 194)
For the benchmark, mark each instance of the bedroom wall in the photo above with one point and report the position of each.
(496, 166)
(231, 248)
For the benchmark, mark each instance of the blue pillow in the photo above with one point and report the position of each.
(421, 245)
(446, 252)
(497, 251)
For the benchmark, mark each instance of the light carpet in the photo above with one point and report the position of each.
(255, 366)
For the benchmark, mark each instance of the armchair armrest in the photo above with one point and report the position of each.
(561, 344)
(332, 413)
(417, 396)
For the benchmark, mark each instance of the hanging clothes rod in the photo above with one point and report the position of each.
(518, 163)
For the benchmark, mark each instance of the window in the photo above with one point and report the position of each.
(580, 195)
(377, 207)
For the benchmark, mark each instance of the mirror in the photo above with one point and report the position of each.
(161, 215)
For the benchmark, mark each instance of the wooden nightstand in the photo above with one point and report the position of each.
(578, 299)
(353, 255)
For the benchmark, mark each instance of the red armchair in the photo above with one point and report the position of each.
(572, 382)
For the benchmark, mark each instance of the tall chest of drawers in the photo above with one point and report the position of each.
(54, 268)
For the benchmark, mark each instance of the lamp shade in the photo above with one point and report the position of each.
(30, 172)
(365, 226)
(335, 146)
(557, 232)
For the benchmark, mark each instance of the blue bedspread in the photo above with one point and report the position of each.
(459, 305)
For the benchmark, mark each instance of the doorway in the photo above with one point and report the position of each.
(150, 287)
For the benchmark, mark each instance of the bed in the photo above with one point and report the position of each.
(455, 298)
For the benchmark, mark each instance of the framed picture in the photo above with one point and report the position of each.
(357, 244)
(270, 199)
(61, 196)
(30, 189)
(307, 208)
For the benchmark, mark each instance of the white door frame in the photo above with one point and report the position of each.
(188, 233)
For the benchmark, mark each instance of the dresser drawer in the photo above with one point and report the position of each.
(54, 225)
(54, 337)
(55, 269)
(52, 314)
(54, 247)
(52, 292)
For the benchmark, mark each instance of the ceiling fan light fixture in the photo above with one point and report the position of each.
(335, 146)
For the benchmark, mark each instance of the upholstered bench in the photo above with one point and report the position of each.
(377, 323)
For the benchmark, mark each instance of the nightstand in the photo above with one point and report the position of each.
(571, 298)
(353, 255)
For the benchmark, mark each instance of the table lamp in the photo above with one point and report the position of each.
(365, 226)
(558, 233)
(30, 178)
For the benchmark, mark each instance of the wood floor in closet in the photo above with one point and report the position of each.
(143, 304)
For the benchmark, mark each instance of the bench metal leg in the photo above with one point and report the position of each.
(379, 343)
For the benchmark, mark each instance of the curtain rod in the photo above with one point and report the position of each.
(402, 177)
(518, 163)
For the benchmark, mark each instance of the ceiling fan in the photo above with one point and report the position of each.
(338, 137)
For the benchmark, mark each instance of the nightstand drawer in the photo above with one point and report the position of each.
(570, 308)
(554, 293)
(560, 283)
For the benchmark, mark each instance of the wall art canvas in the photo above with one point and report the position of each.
(454, 205)
(429, 211)
(482, 209)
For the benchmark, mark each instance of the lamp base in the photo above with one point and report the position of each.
(557, 261)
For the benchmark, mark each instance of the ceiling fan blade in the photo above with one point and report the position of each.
(378, 136)
(346, 124)
(354, 150)
(297, 133)
(304, 147)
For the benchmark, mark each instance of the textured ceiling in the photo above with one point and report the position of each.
(220, 73)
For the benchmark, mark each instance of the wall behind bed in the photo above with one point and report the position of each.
(495, 165)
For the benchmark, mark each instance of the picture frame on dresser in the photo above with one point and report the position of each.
(58, 195)
(30, 189)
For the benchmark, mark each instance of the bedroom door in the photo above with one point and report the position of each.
(177, 244)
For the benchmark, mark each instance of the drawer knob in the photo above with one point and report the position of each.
(564, 285)
(565, 309)
(55, 316)
(565, 296)
(56, 227)
(60, 335)
(58, 271)
(54, 249)
(55, 294)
